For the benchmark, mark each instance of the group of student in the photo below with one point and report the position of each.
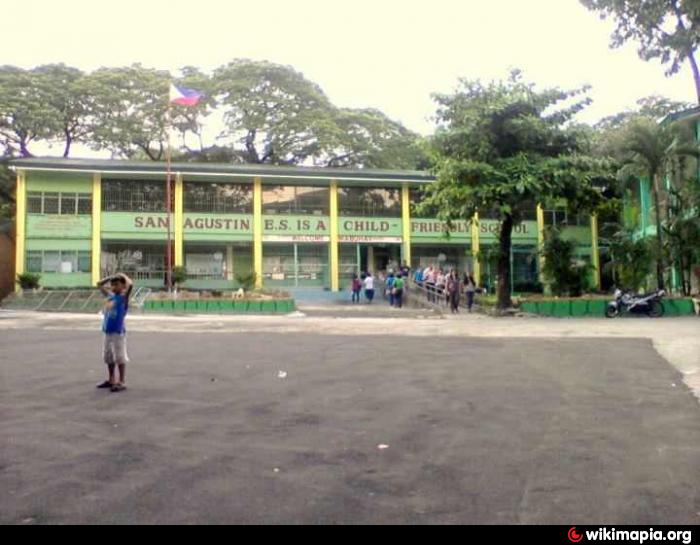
(395, 286)
(438, 283)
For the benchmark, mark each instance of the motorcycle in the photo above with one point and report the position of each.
(627, 301)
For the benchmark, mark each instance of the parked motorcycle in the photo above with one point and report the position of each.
(627, 301)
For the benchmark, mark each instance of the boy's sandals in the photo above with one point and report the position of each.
(118, 388)
(105, 384)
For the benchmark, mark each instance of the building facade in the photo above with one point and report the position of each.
(79, 220)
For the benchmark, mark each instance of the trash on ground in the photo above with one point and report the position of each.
(382, 447)
(281, 374)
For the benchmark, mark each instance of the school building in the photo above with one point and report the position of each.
(81, 219)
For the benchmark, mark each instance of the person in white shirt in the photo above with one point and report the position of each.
(369, 287)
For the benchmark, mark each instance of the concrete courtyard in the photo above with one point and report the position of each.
(372, 420)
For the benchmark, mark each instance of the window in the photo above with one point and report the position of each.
(141, 261)
(369, 201)
(555, 217)
(35, 203)
(218, 198)
(84, 204)
(294, 199)
(50, 203)
(34, 262)
(59, 261)
(66, 204)
(134, 196)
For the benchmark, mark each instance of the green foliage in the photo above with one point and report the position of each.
(28, 281)
(667, 30)
(564, 272)
(631, 260)
(274, 115)
(503, 147)
(179, 275)
(682, 230)
(246, 280)
(129, 106)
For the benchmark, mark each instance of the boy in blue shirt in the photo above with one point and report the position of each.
(115, 309)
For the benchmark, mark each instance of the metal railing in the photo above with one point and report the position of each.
(87, 301)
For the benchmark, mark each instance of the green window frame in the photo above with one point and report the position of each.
(59, 203)
(49, 261)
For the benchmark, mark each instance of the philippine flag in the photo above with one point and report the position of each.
(184, 96)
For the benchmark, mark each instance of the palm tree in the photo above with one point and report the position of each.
(653, 149)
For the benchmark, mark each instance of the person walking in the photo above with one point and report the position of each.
(389, 288)
(453, 291)
(356, 287)
(469, 290)
(369, 287)
(429, 281)
(399, 286)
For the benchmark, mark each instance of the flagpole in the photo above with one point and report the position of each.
(168, 202)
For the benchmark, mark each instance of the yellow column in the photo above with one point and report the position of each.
(476, 248)
(595, 255)
(96, 248)
(406, 222)
(179, 219)
(257, 232)
(335, 268)
(21, 218)
(540, 239)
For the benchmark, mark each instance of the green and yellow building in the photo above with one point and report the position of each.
(295, 227)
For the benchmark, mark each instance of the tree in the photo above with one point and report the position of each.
(631, 259)
(565, 273)
(273, 114)
(501, 148)
(367, 138)
(129, 107)
(652, 149)
(668, 30)
(682, 231)
(68, 97)
(26, 113)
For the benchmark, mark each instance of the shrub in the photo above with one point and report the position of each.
(246, 280)
(179, 275)
(565, 273)
(28, 281)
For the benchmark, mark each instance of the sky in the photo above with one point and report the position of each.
(386, 54)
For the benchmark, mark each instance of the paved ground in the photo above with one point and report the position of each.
(520, 428)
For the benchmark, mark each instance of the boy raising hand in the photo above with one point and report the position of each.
(115, 309)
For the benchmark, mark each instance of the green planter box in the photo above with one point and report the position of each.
(562, 309)
(239, 306)
(597, 308)
(219, 306)
(579, 308)
(678, 307)
(254, 306)
(268, 306)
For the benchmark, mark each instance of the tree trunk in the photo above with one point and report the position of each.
(659, 239)
(69, 141)
(696, 73)
(503, 267)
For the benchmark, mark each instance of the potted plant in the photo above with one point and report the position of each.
(28, 281)
(179, 277)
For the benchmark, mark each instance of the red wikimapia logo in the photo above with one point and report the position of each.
(574, 536)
